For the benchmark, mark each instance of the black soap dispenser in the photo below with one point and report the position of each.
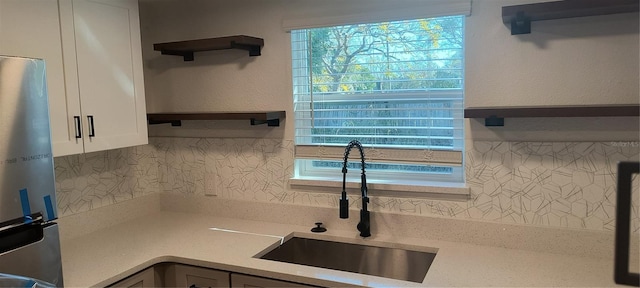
(318, 228)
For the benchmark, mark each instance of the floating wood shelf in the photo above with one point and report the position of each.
(494, 116)
(271, 118)
(521, 16)
(187, 48)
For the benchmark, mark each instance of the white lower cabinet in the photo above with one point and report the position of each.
(246, 281)
(144, 278)
(187, 276)
(93, 58)
(178, 275)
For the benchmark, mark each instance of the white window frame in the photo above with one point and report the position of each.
(304, 170)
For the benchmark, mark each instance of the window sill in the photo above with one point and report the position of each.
(404, 188)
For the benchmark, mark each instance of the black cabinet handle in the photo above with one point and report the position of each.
(78, 126)
(622, 275)
(92, 129)
(195, 286)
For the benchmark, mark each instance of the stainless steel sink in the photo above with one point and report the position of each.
(389, 262)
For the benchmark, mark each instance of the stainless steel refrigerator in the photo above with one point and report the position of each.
(29, 241)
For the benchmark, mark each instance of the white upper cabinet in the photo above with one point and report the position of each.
(103, 69)
(93, 55)
(31, 28)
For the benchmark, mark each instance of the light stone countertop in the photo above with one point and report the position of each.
(104, 256)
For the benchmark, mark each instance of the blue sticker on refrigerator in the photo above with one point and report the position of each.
(24, 201)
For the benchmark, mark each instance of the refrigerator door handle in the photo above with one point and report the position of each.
(32, 251)
(20, 232)
(22, 221)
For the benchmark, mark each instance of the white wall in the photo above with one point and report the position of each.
(578, 61)
(227, 80)
(589, 60)
(568, 183)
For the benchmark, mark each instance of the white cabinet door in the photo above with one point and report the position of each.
(31, 28)
(103, 66)
(190, 276)
(93, 56)
(110, 77)
(144, 278)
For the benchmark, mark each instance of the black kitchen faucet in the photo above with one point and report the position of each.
(364, 226)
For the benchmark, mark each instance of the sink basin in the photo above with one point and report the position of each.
(388, 262)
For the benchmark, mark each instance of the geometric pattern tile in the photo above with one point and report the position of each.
(181, 165)
(92, 180)
(559, 184)
(247, 169)
(562, 184)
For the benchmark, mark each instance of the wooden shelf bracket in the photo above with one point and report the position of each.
(270, 122)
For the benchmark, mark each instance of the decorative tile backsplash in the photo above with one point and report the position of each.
(560, 184)
(92, 180)
(246, 169)
(556, 184)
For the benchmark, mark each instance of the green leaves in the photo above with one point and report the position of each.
(388, 56)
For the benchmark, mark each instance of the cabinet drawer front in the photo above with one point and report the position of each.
(190, 276)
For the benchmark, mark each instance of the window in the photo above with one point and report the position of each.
(397, 87)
